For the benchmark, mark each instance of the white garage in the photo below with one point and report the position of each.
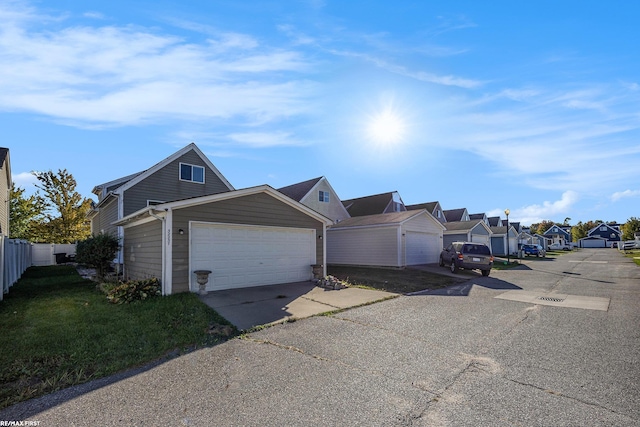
(593, 242)
(395, 239)
(467, 231)
(245, 255)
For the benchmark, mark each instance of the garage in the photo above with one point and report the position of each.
(394, 239)
(467, 231)
(593, 242)
(244, 255)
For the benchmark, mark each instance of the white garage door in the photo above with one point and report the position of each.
(422, 248)
(594, 243)
(242, 255)
(480, 238)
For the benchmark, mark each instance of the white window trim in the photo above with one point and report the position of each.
(192, 166)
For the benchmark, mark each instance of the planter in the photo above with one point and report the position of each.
(202, 277)
(317, 271)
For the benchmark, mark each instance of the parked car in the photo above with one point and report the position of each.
(559, 247)
(533, 250)
(467, 255)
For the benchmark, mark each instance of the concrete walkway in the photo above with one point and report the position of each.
(263, 305)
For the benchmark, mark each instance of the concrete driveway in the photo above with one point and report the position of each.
(265, 305)
(463, 358)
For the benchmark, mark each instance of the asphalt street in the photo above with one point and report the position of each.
(463, 356)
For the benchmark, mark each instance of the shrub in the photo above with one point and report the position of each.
(135, 290)
(98, 251)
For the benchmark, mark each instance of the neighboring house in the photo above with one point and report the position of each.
(538, 239)
(601, 236)
(376, 204)
(395, 239)
(503, 243)
(557, 234)
(317, 194)
(186, 173)
(481, 216)
(433, 208)
(456, 215)
(249, 237)
(467, 231)
(525, 238)
(494, 221)
(5, 190)
(513, 224)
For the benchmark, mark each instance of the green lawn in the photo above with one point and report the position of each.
(57, 330)
(633, 254)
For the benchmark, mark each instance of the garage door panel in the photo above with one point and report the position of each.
(242, 256)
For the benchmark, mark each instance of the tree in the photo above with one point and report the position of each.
(541, 227)
(66, 215)
(27, 214)
(631, 227)
(98, 252)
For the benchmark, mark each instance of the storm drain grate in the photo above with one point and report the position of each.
(551, 299)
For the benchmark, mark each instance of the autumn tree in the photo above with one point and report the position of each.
(541, 227)
(631, 227)
(65, 218)
(26, 213)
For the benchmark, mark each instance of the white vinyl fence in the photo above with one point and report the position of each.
(15, 258)
(44, 253)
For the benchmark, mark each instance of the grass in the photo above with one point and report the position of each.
(633, 254)
(57, 330)
(399, 281)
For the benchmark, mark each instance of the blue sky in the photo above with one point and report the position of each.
(530, 106)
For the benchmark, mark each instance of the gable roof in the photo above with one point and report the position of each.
(299, 190)
(551, 231)
(213, 198)
(428, 206)
(369, 205)
(477, 216)
(391, 218)
(458, 226)
(121, 184)
(454, 215)
(3, 154)
(494, 221)
(602, 224)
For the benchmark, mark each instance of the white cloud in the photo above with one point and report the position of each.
(145, 76)
(625, 194)
(546, 210)
(24, 180)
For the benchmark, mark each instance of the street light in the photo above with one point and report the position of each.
(507, 212)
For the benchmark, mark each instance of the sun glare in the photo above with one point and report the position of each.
(386, 127)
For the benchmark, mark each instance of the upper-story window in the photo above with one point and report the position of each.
(323, 196)
(191, 173)
(603, 228)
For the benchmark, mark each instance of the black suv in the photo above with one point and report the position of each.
(467, 255)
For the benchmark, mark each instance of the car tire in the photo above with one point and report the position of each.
(441, 262)
(485, 273)
(454, 267)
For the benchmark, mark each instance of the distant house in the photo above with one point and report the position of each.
(481, 216)
(433, 208)
(5, 190)
(557, 234)
(504, 241)
(494, 221)
(467, 231)
(455, 215)
(394, 239)
(601, 236)
(317, 194)
(375, 204)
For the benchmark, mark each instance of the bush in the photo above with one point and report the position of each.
(135, 290)
(98, 251)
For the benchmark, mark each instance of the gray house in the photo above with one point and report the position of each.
(250, 237)
(5, 187)
(467, 231)
(433, 208)
(376, 204)
(456, 215)
(601, 236)
(317, 194)
(186, 173)
(503, 242)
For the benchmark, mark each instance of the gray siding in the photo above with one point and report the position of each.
(165, 185)
(447, 239)
(102, 222)
(257, 209)
(376, 246)
(143, 251)
(334, 209)
(5, 185)
(498, 246)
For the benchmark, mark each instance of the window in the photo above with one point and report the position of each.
(191, 173)
(439, 214)
(603, 228)
(323, 196)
